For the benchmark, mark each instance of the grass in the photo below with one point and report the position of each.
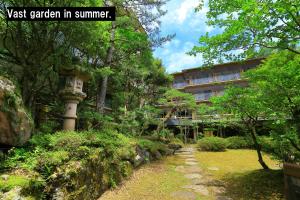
(153, 181)
(243, 175)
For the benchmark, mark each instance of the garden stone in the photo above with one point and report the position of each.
(16, 124)
(191, 163)
(174, 146)
(14, 194)
(213, 168)
(191, 160)
(198, 188)
(219, 190)
(169, 152)
(180, 169)
(184, 195)
(193, 169)
(223, 198)
(192, 176)
(157, 155)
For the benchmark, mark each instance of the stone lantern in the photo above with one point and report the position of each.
(72, 94)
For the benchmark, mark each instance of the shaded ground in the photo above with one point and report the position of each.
(193, 175)
(242, 175)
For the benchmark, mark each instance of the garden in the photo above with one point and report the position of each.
(85, 106)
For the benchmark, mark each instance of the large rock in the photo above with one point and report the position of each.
(15, 123)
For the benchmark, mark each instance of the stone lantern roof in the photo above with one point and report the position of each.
(75, 70)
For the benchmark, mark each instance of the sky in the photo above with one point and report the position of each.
(188, 26)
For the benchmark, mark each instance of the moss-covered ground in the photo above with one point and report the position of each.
(243, 175)
(239, 170)
(154, 181)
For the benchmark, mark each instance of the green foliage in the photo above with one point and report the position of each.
(48, 161)
(180, 100)
(239, 142)
(66, 140)
(249, 27)
(176, 141)
(13, 181)
(49, 127)
(267, 143)
(277, 80)
(212, 144)
(152, 146)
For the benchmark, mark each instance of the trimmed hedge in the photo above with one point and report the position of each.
(212, 144)
(239, 142)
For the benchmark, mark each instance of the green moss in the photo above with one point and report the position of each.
(13, 181)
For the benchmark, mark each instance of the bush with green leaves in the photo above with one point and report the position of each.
(212, 144)
(268, 144)
(239, 142)
(152, 146)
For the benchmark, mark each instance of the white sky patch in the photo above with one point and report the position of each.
(185, 9)
(180, 60)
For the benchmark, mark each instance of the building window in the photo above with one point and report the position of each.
(205, 95)
(202, 80)
(226, 76)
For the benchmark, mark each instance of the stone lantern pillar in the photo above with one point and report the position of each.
(72, 94)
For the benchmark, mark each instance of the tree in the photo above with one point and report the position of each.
(34, 52)
(278, 80)
(143, 17)
(245, 105)
(248, 27)
(173, 100)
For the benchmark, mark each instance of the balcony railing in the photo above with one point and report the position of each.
(203, 96)
(179, 85)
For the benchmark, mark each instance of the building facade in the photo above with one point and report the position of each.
(205, 82)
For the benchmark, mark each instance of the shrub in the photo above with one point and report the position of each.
(66, 140)
(176, 141)
(238, 142)
(152, 146)
(267, 144)
(48, 161)
(212, 144)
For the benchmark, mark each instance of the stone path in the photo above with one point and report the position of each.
(201, 184)
(178, 177)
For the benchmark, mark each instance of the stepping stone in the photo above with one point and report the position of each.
(213, 168)
(219, 190)
(201, 181)
(191, 160)
(201, 189)
(192, 176)
(198, 189)
(191, 163)
(186, 155)
(223, 198)
(193, 169)
(184, 195)
(180, 169)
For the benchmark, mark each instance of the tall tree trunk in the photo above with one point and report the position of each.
(258, 148)
(101, 95)
(296, 120)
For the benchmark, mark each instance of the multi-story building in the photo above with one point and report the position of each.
(205, 82)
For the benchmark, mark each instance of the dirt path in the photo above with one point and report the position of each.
(178, 177)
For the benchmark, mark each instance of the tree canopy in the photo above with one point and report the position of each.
(248, 27)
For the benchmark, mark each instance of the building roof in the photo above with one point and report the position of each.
(217, 65)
